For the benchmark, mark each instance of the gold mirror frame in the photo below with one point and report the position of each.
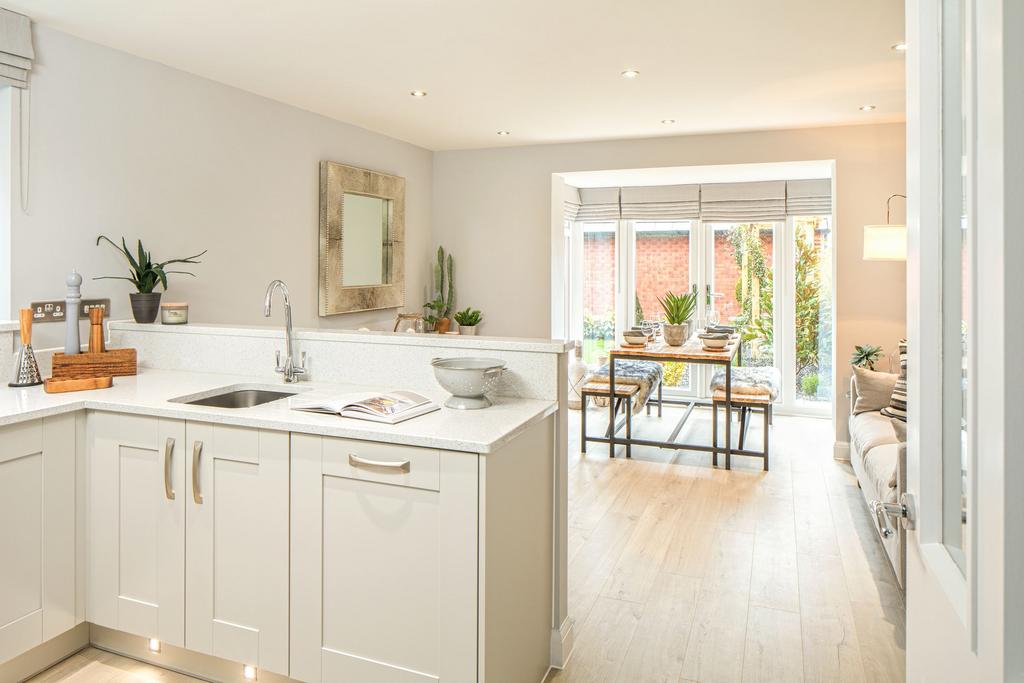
(336, 180)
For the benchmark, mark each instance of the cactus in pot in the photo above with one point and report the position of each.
(444, 299)
(678, 309)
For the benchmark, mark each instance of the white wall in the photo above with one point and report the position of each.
(125, 146)
(492, 209)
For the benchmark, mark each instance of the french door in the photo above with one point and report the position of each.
(774, 279)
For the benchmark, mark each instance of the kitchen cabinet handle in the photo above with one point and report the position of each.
(168, 453)
(197, 450)
(356, 461)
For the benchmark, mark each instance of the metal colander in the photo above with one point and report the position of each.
(468, 380)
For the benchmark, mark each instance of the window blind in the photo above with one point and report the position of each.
(661, 202)
(16, 52)
(598, 204)
(571, 203)
(743, 202)
(808, 197)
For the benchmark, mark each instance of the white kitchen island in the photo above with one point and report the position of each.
(305, 546)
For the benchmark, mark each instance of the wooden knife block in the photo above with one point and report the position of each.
(110, 363)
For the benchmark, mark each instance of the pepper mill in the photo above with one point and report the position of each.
(96, 330)
(72, 342)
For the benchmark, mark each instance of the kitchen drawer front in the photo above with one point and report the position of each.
(383, 462)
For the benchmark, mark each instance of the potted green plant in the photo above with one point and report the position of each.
(678, 311)
(444, 298)
(866, 356)
(467, 320)
(145, 274)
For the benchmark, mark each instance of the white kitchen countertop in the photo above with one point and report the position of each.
(150, 392)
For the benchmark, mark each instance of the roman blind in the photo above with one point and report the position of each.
(809, 197)
(16, 52)
(743, 202)
(661, 202)
(598, 204)
(571, 203)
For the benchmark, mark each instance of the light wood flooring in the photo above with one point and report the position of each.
(681, 573)
(96, 666)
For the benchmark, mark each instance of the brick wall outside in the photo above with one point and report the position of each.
(663, 260)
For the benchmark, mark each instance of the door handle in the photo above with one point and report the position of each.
(904, 511)
(168, 454)
(197, 450)
(356, 461)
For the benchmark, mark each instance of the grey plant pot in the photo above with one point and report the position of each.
(675, 335)
(468, 330)
(145, 307)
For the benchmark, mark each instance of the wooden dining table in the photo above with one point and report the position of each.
(692, 351)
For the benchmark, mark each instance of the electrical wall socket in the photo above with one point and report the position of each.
(53, 311)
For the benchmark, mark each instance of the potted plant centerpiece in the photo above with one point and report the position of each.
(145, 274)
(468, 320)
(678, 311)
(444, 296)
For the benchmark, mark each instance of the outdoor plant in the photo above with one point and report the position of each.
(444, 288)
(678, 307)
(144, 273)
(468, 318)
(866, 356)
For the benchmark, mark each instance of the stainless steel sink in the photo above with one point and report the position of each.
(240, 398)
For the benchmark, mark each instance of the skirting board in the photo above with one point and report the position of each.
(562, 641)
(44, 656)
(841, 451)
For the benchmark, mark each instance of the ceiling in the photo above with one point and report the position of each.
(544, 70)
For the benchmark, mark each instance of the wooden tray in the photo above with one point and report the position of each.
(59, 386)
(110, 363)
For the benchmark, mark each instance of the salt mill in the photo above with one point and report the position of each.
(72, 342)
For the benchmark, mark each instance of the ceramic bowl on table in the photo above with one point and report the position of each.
(468, 380)
(714, 341)
(635, 337)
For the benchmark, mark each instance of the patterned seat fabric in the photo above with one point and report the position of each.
(642, 373)
(759, 382)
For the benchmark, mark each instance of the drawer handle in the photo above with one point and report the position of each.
(400, 465)
(197, 450)
(168, 454)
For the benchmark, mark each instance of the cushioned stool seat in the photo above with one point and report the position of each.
(752, 389)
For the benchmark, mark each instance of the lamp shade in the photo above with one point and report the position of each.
(885, 242)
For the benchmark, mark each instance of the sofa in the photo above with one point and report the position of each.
(879, 460)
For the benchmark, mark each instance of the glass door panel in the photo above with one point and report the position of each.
(741, 280)
(598, 275)
(812, 308)
(661, 263)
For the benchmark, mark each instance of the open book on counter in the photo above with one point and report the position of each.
(390, 407)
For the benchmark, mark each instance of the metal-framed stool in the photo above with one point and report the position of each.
(745, 404)
(624, 394)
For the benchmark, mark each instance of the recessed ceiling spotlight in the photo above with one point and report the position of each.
(900, 47)
(667, 121)
(868, 107)
(630, 73)
(418, 93)
(504, 132)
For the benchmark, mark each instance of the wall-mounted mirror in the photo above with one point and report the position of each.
(362, 226)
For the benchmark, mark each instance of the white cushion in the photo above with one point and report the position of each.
(880, 465)
(870, 430)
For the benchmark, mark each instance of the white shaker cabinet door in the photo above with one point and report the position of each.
(384, 562)
(37, 537)
(137, 493)
(236, 499)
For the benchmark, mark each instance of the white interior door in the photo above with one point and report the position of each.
(965, 603)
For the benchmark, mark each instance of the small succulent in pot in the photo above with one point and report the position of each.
(146, 275)
(678, 309)
(468, 320)
(866, 356)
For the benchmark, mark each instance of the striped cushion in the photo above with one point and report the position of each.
(897, 407)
